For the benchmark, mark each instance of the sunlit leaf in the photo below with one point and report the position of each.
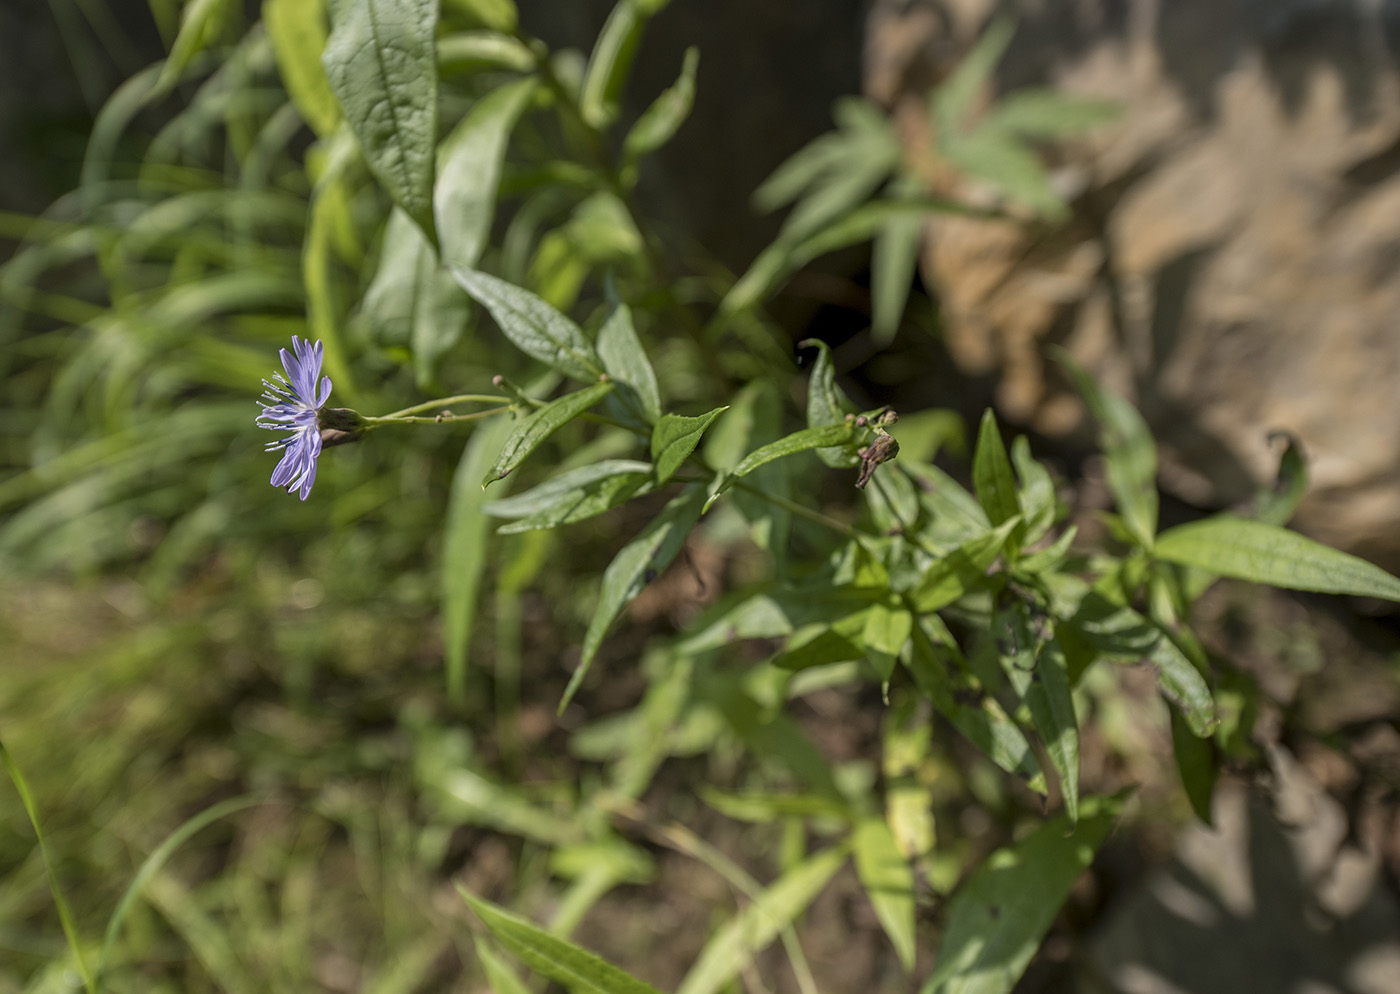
(660, 122)
(536, 328)
(535, 427)
(625, 361)
(889, 883)
(298, 31)
(675, 438)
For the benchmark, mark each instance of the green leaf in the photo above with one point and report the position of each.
(1197, 765)
(500, 976)
(997, 919)
(610, 63)
(1121, 633)
(756, 926)
(991, 473)
(1039, 113)
(893, 259)
(298, 32)
(1003, 162)
(535, 327)
(941, 676)
(1129, 452)
(202, 22)
(799, 441)
(953, 100)
(464, 549)
(660, 122)
(826, 402)
(412, 302)
(381, 66)
(963, 569)
(530, 431)
(637, 564)
(675, 438)
(572, 967)
(626, 363)
(568, 488)
(470, 51)
(1263, 553)
(889, 883)
(590, 501)
(469, 172)
(805, 650)
(1275, 506)
(755, 419)
(1052, 709)
(500, 15)
(1037, 497)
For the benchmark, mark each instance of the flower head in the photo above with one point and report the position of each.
(292, 404)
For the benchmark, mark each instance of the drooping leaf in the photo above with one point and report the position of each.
(1263, 553)
(572, 967)
(464, 553)
(625, 361)
(382, 67)
(1197, 765)
(534, 428)
(998, 918)
(889, 883)
(298, 31)
(756, 926)
(660, 122)
(826, 402)
(535, 327)
(674, 438)
(637, 564)
(469, 172)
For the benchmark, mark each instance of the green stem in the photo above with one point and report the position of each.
(461, 398)
(437, 419)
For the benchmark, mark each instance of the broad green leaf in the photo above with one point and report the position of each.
(572, 967)
(893, 259)
(961, 570)
(1003, 162)
(298, 32)
(567, 488)
(1263, 553)
(942, 677)
(1037, 497)
(826, 402)
(660, 122)
(884, 634)
(637, 564)
(412, 302)
(1130, 453)
(535, 327)
(1052, 709)
(469, 172)
(991, 473)
(464, 551)
(1039, 113)
(954, 98)
(1123, 634)
(381, 66)
(674, 438)
(626, 363)
(1197, 765)
(201, 24)
(500, 15)
(611, 63)
(533, 429)
(756, 926)
(889, 883)
(799, 441)
(998, 918)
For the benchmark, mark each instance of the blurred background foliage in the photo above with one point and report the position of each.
(186, 646)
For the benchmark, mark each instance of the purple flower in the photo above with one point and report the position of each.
(292, 404)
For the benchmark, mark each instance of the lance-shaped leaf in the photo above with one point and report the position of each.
(1197, 764)
(1037, 496)
(626, 363)
(659, 122)
(573, 496)
(298, 32)
(752, 929)
(611, 62)
(998, 918)
(535, 327)
(1263, 553)
(572, 967)
(893, 259)
(201, 23)
(963, 569)
(469, 172)
(539, 425)
(799, 441)
(1052, 709)
(674, 438)
(889, 883)
(638, 563)
(991, 473)
(826, 403)
(382, 68)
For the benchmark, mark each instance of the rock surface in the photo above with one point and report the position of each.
(1233, 260)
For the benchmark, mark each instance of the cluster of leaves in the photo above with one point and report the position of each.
(971, 607)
